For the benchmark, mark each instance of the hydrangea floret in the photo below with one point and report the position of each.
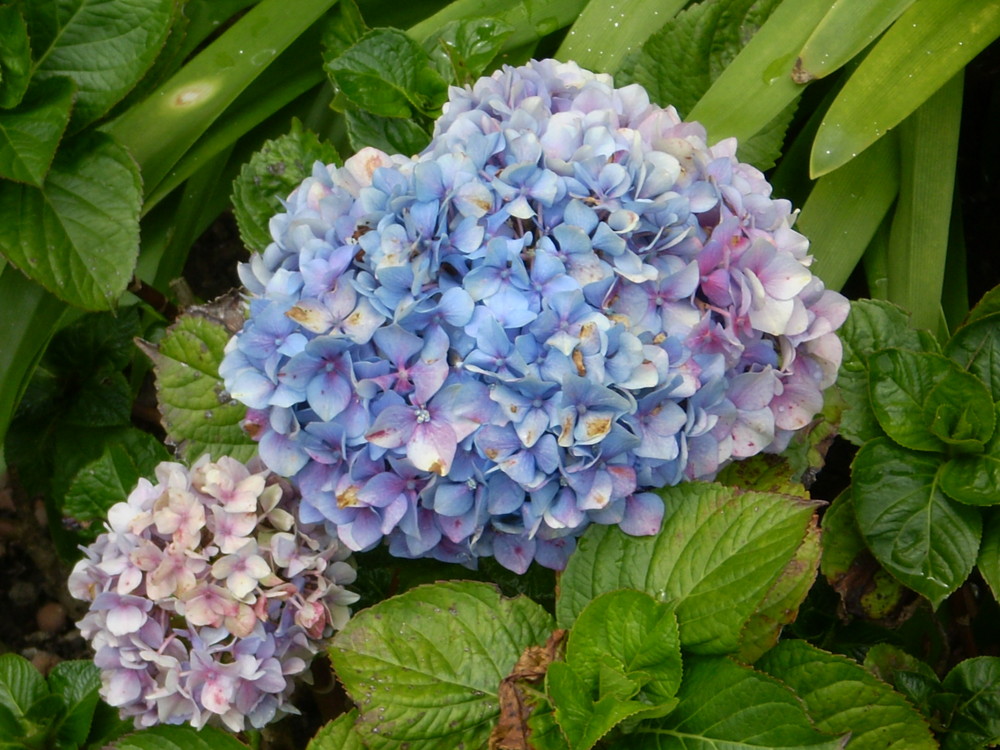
(566, 300)
(206, 598)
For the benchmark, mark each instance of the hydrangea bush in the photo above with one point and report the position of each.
(567, 300)
(206, 599)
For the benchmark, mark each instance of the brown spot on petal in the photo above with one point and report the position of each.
(597, 427)
(348, 498)
(438, 468)
(581, 369)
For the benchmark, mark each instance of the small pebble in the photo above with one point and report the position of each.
(51, 617)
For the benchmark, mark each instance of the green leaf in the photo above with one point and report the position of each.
(462, 49)
(338, 734)
(976, 722)
(679, 63)
(425, 667)
(105, 46)
(987, 305)
(989, 552)
(390, 134)
(872, 325)
(842, 697)
(271, 174)
(728, 561)
(924, 539)
(21, 686)
(198, 415)
(583, 720)
(15, 57)
(110, 478)
(781, 605)
(387, 73)
(178, 738)
(920, 398)
(927, 46)
(30, 134)
(865, 588)
(976, 348)
(343, 27)
(76, 682)
(724, 705)
(845, 209)
(765, 472)
(910, 676)
(844, 32)
(79, 235)
(635, 633)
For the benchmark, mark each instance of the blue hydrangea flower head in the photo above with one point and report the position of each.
(206, 599)
(566, 300)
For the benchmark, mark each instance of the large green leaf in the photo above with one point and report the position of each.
(976, 721)
(394, 135)
(923, 538)
(976, 347)
(725, 705)
(718, 553)
(105, 46)
(989, 552)
(930, 43)
(76, 682)
(21, 685)
(843, 697)
(15, 57)
(30, 134)
(425, 667)
(198, 415)
(78, 236)
(338, 734)
(178, 738)
(461, 50)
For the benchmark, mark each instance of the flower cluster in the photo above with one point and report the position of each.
(567, 299)
(205, 599)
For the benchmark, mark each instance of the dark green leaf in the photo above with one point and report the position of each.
(842, 697)
(76, 682)
(15, 57)
(425, 667)
(96, 341)
(30, 134)
(724, 705)
(338, 734)
(923, 538)
(989, 552)
(387, 73)
(976, 722)
(79, 235)
(21, 686)
(987, 305)
(343, 27)
(910, 676)
(198, 415)
(103, 399)
(872, 325)
(390, 134)
(717, 578)
(976, 347)
(270, 175)
(105, 46)
(178, 738)
(582, 719)
(463, 49)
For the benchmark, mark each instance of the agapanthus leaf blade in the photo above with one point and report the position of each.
(427, 665)
(842, 697)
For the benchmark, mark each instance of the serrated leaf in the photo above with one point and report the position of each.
(729, 558)
(343, 27)
(765, 472)
(105, 46)
(841, 697)
(975, 479)
(976, 348)
(928, 45)
(462, 49)
(110, 478)
(387, 73)
(988, 304)
(911, 677)
(338, 734)
(923, 538)
(425, 666)
(725, 705)
(583, 720)
(871, 325)
(989, 552)
(78, 236)
(390, 134)
(30, 134)
(21, 685)
(15, 57)
(76, 682)
(633, 632)
(271, 174)
(917, 395)
(178, 738)
(197, 414)
(976, 721)
(781, 605)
